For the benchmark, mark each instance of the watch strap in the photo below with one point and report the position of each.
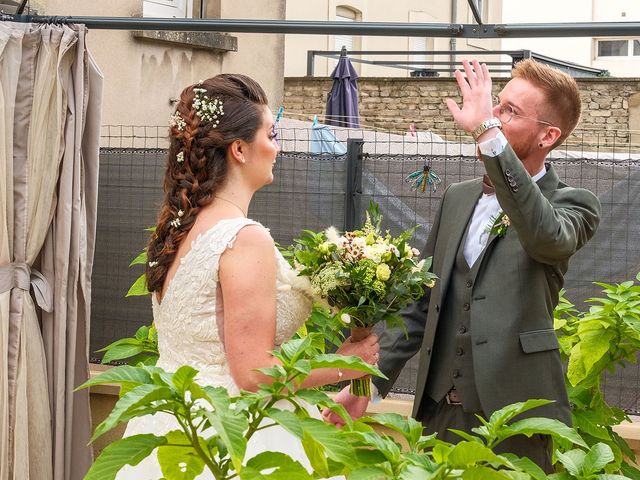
(484, 126)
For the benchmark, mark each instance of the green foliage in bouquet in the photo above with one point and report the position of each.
(366, 274)
(594, 342)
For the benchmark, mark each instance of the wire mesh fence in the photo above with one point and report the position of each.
(318, 182)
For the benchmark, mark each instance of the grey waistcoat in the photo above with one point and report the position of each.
(452, 359)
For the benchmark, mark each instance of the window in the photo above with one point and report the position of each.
(344, 14)
(618, 48)
(167, 8)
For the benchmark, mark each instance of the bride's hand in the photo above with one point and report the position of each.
(367, 349)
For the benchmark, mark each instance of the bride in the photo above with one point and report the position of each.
(223, 296)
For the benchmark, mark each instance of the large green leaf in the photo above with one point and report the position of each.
(179, 460)
(599, 455)
(125, 350)
(296, 347)
(539, 425)
(410, 429)
(139, 287)
(124, 374)
(505, 414)
(629, 470)
(274, 466)
(231, 427)
(140, 396)
(526, 465)
(141, 259)
(386, 445)
(585, 354)
(572, 460)
(287, 420)
(586, 421)
(375, 473)
(480, 472)
(465, 454)
(316, 454)
(334, 445)
(126, 451)
(610, 476)
(183, 378)
(345, 362)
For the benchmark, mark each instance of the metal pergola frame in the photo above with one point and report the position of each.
(303, 27)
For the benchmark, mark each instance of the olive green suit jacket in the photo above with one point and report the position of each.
(514, 346)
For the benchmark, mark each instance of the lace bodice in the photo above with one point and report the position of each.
(188, 333)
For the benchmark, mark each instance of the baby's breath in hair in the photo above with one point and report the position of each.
(180, 157)
(209, 110)
(177, 121)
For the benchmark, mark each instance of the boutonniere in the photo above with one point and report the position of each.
(499, 225)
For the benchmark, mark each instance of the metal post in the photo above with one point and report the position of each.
(311, 56)
(353, 190)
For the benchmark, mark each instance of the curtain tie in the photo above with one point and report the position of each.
(22, 276)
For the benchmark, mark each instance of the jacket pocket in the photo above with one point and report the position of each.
(539, 340)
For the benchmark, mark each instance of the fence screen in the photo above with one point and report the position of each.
(316, 185)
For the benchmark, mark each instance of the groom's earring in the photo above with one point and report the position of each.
(540, 145)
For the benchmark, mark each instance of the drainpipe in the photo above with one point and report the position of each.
(452, 42)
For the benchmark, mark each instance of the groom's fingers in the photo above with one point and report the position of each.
(485, 72)
(471, 75)
(462, 82)
(453, 108)
(477, 69)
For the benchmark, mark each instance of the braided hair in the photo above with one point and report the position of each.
(197, 160)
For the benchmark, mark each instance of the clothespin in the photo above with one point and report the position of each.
(315, 121)
(412, 129)
(279, 115)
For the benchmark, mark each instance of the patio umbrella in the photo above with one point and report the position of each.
(342, 103)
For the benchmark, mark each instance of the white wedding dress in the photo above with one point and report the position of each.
(190, 323)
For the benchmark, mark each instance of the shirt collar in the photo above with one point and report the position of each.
(540, 174)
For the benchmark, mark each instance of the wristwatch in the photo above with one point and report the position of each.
(484, 126)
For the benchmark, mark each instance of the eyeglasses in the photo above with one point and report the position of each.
(506, 114)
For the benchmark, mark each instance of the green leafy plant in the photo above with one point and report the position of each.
(594, 342)
(143, 346)
(473, 457)
(213, 428)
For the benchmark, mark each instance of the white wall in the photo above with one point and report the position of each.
(581, 50)
(142, 76)
(433, 11)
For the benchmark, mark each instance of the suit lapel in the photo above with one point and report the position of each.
(459, 216)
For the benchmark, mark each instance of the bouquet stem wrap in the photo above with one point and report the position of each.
(361, 386)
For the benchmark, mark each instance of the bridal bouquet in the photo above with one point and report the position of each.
(365, 276)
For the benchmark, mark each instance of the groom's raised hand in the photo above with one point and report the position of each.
(475, 88)
(356, 407)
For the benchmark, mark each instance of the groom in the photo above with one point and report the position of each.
(501, 247)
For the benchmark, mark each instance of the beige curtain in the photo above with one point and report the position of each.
(50, 104)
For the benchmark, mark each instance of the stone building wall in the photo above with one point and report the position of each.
(611, 106)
